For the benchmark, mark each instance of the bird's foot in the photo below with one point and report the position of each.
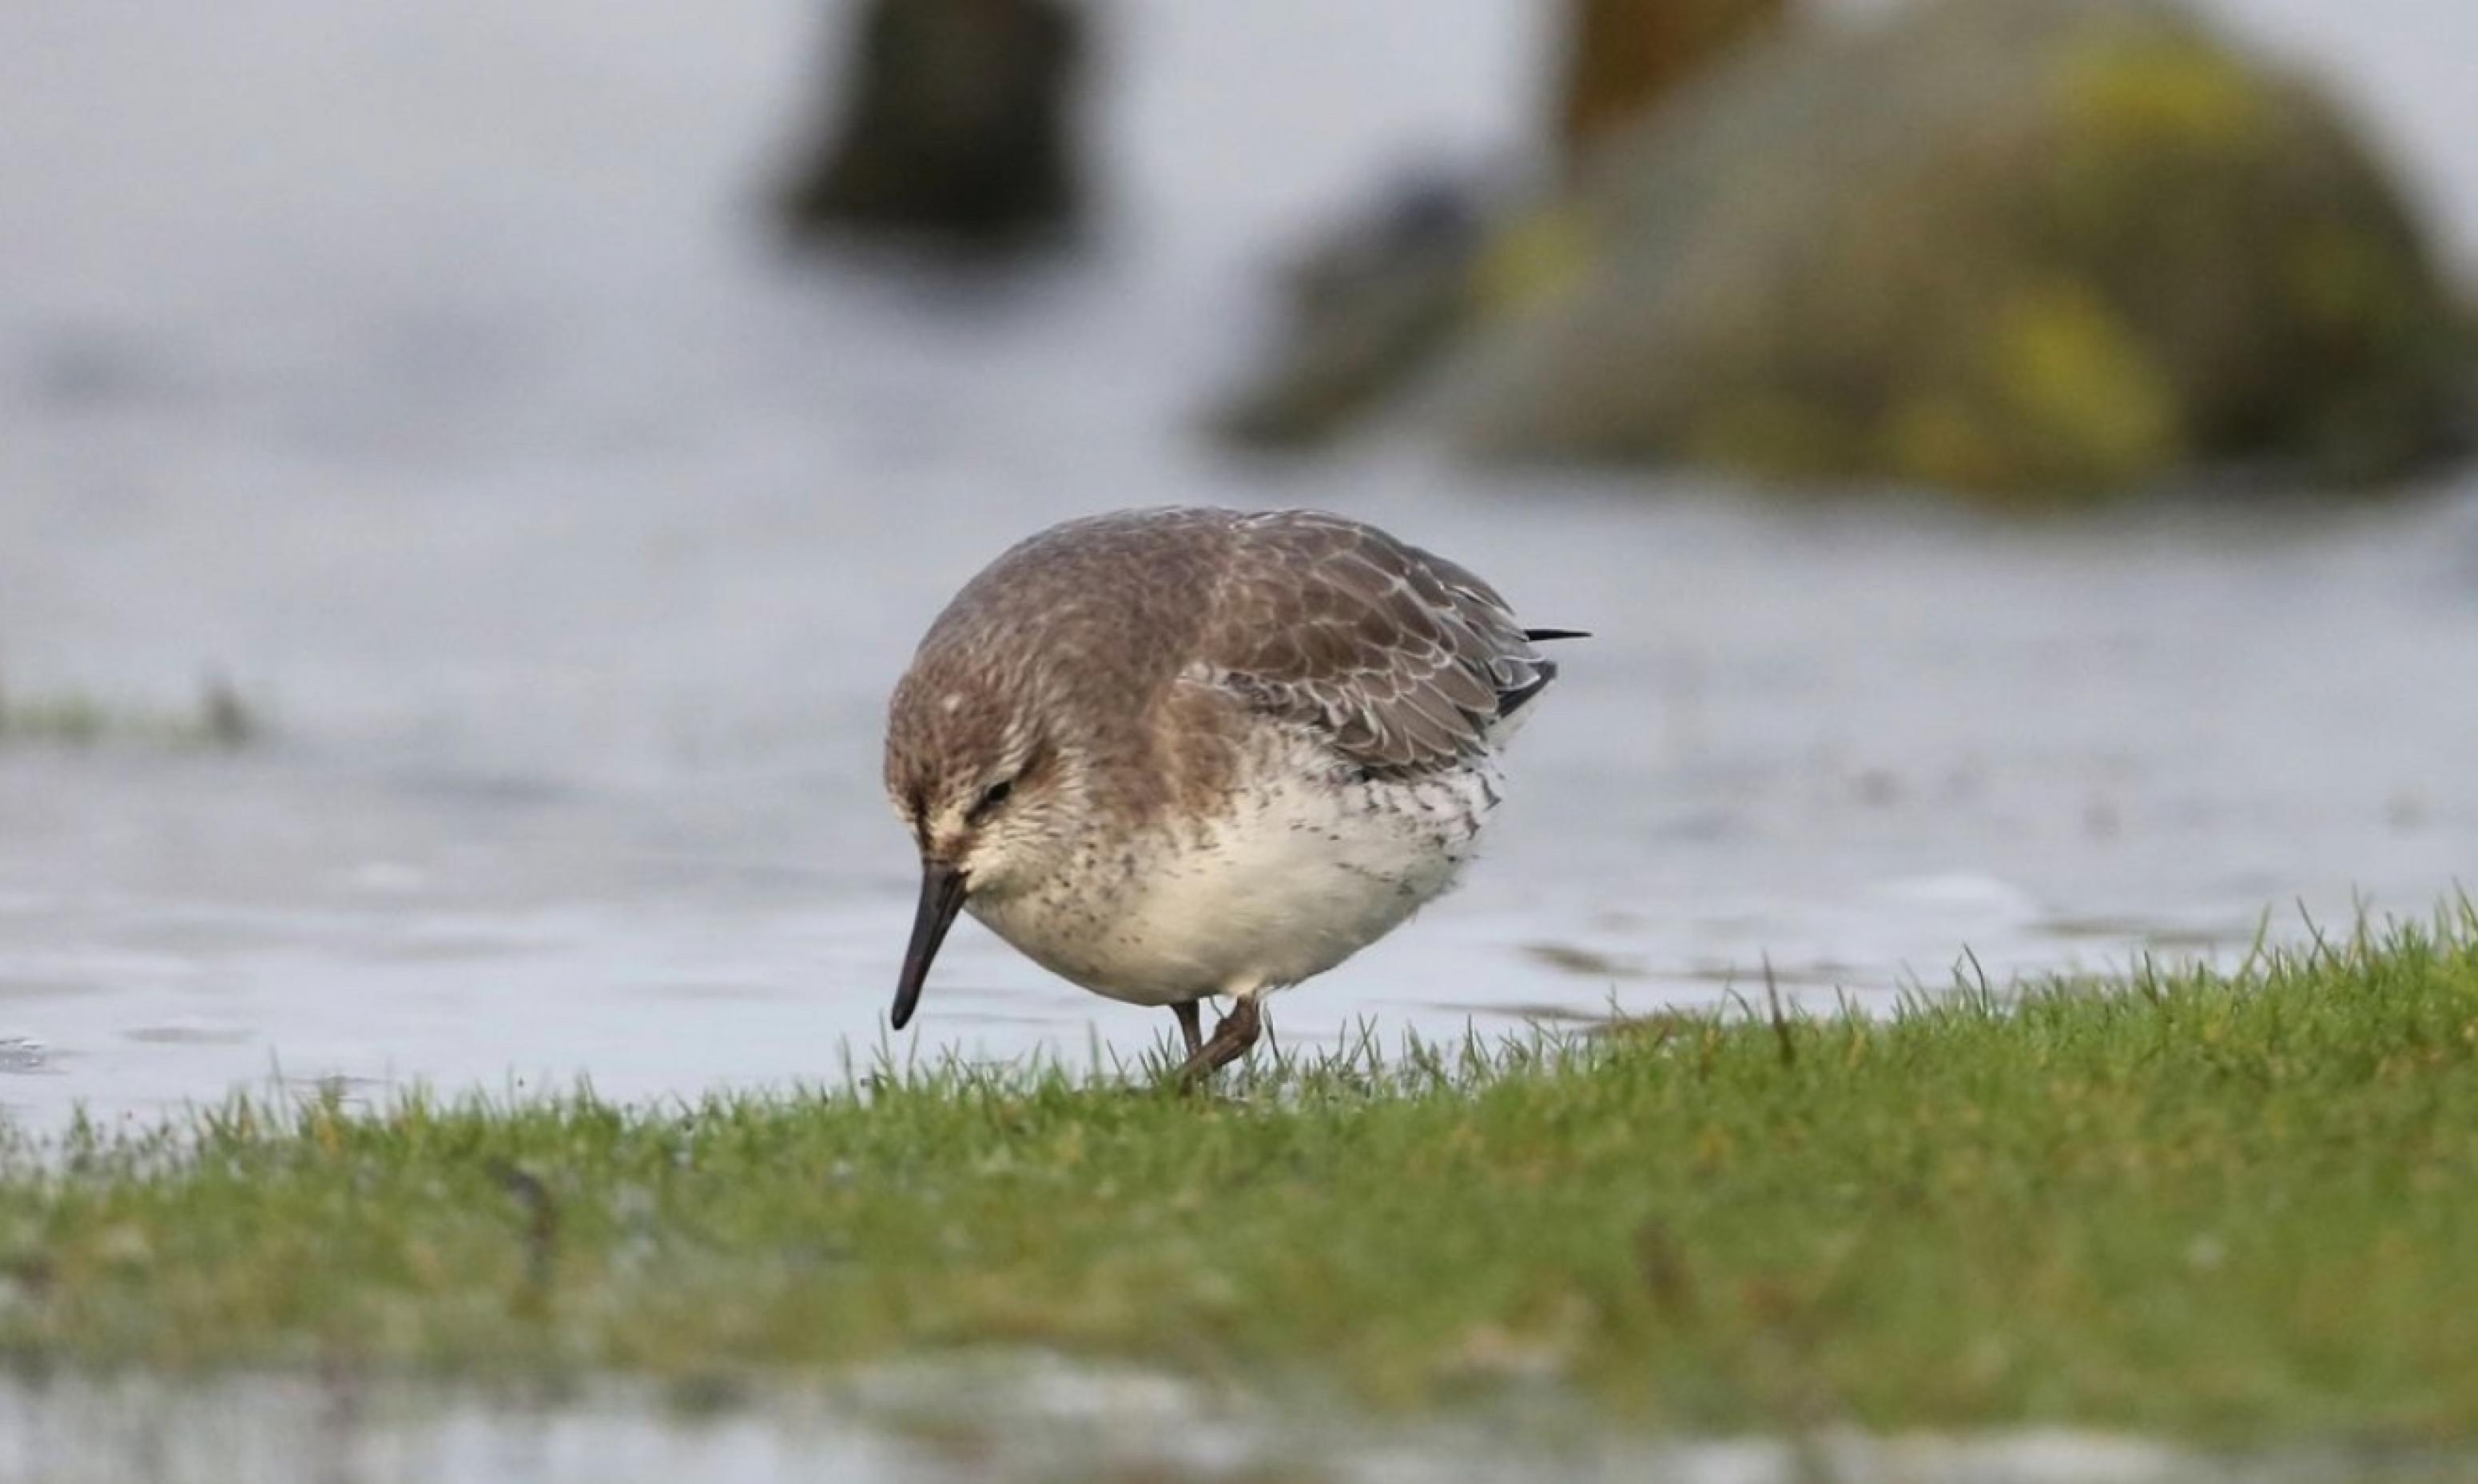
(1231, 1037)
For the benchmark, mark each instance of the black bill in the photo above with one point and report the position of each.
(942, 896)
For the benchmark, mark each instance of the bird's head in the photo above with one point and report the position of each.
(991, 792)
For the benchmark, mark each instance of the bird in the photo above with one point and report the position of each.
(1185, 753)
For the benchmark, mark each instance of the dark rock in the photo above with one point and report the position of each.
(1363, 309)
(957, 123)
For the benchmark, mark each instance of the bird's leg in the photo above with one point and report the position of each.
(1190, 1025)
(1231, 1039)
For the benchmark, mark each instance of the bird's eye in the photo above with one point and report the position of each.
(992, 797)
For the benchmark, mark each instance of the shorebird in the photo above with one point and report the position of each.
(1182, 753)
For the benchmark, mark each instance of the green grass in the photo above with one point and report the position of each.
(220, 721)
(2213, 1206)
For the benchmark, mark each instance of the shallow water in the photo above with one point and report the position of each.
(418, 368)
(1011, 1420)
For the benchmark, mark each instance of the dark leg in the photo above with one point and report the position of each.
(1230, 1042)
(1190, 1025)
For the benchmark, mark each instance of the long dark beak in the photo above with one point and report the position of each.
(942, 895)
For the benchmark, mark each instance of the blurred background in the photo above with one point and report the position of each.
(469, 475)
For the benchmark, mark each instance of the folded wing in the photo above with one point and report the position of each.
(1402, 660)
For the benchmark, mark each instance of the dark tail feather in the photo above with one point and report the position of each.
(1508, 702)
(1543, 672)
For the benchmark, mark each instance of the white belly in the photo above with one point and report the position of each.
(1297, 876)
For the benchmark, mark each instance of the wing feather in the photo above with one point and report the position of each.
(1402, 660)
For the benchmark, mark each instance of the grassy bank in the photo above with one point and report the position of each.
(2197, 1204)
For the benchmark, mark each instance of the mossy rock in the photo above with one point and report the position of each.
(1623, 55)
(2035, 249)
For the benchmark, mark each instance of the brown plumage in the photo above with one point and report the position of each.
(1402, 658)
(1122, 708)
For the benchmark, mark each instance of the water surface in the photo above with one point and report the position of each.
(420, 368)
(1013, 1419)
